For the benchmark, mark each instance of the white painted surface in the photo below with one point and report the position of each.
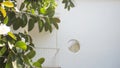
(96, 25)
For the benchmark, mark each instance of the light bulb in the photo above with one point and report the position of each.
(73, 45)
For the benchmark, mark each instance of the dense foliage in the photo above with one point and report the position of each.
(17, 49)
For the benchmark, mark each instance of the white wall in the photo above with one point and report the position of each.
(96, 25)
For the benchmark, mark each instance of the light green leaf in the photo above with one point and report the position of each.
(8, 65)
(6, 20)
(12, 35)
(42, 10)
(37, 64)
(21, 45)
(33, 11)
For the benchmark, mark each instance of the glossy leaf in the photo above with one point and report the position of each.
(24, 18)
(21, 45)
(8, 4)
(3, 11)
(12, 35)
(17, 23)
(31, 24)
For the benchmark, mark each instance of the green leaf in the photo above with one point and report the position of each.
(40, 25)
(41, 60)
(21, 45)
(8, 65)
(37, 64)
(22, 6)
(3, 50)
(56, 25)
(56, 20)
(71, 4)
(11, 17)
(48, 25)
(26, 60)
(31, 54)
(33, 11)
(9, 60)
(17, 23)
(6, 20)
(42, 10)
(24, 18)
(50, 12)
(31, 24)
(12, 35)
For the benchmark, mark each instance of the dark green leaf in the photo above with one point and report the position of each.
(31, 54)
(9, 60)
(31, 24)
(22, 6)
(56, 25)
(40, 25)
(17, 23)
(3, 50)
(26, 60)
(50, 12)
(57, 20)
(24, 18)
(71, 4)
(41, 60)
(48, 25)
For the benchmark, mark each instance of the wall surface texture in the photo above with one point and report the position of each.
(95, 24)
